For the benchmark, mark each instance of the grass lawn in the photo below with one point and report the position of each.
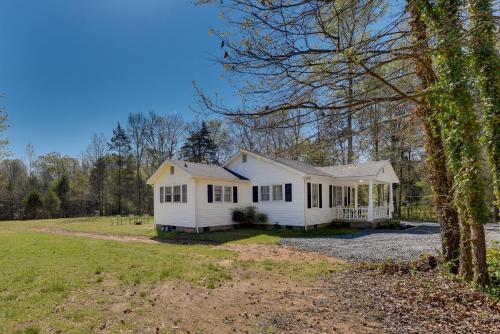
(103, 225)
(62, 283)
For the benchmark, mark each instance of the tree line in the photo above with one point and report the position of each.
(109, 177)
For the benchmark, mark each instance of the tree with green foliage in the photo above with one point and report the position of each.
(428, 112)
(200, 146)
(460, 129)
(97, 177)
(32, 203)
(486, 64)
(120, 144)
(51, 203)
(62, 189)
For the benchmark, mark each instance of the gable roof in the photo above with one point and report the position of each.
(303, 167)
(294, 165)
(368, 170)
(198, 170)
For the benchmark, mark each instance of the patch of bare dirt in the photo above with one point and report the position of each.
(262, 303)
(416, 302)
(278, 253)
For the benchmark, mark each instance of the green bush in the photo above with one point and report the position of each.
(261, 218)
(239, 216)
(493, 259)
(248, 215)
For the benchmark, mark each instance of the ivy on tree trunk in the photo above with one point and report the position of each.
(486, 62)
(460, 126)
(439, 176)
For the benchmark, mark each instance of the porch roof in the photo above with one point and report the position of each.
(381, 171)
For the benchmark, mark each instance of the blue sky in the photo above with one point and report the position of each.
(69, 68)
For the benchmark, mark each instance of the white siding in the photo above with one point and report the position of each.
(324, 214)
(219, 213)
(261, 172)
(175, 214)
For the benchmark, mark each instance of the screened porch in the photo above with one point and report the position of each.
(364, 200)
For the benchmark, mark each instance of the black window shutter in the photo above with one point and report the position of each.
(320, 195)
(288, 192)
(235, 194)
(255, 194)
(210, 193)
(308, 195)
(330, 193)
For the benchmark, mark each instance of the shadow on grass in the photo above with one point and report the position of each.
(248, 235)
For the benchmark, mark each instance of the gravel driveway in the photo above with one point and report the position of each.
(380, 244)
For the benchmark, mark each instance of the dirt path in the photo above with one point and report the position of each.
(256, 252)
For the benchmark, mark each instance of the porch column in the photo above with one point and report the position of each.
(370, 201)
(356, 197)
(391, 203)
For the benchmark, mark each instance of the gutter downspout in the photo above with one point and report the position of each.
(196, 205)
(305, 203)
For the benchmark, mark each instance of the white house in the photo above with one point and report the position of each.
(200, 197)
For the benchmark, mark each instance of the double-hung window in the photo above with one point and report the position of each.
(184, 193)
(177, 194)
(218, 193)
(277, 192)
(264, 193)
(315, 195)
(168, 194)
(228, 194)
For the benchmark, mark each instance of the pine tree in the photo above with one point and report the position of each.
(32, 203)
(120, 144)
(62, 190)
(200, 147)
(51, 203)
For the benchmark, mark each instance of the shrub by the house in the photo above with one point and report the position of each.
(249, 215)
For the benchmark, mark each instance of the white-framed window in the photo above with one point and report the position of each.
(217, 193)
(174, 194)
(172, 170)
(277, 192)
(337, 196)
(168, 194)
(177, 194)
(184, 193)
(264, 193)
(315, 195)
(244, 158)
(228, 194)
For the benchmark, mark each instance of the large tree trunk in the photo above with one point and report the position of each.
(459, 122)
(486, 63)
(465, 252)
(479, 253)
(439, 177)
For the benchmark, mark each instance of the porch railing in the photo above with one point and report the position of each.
(381, 212)
(360, 213)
